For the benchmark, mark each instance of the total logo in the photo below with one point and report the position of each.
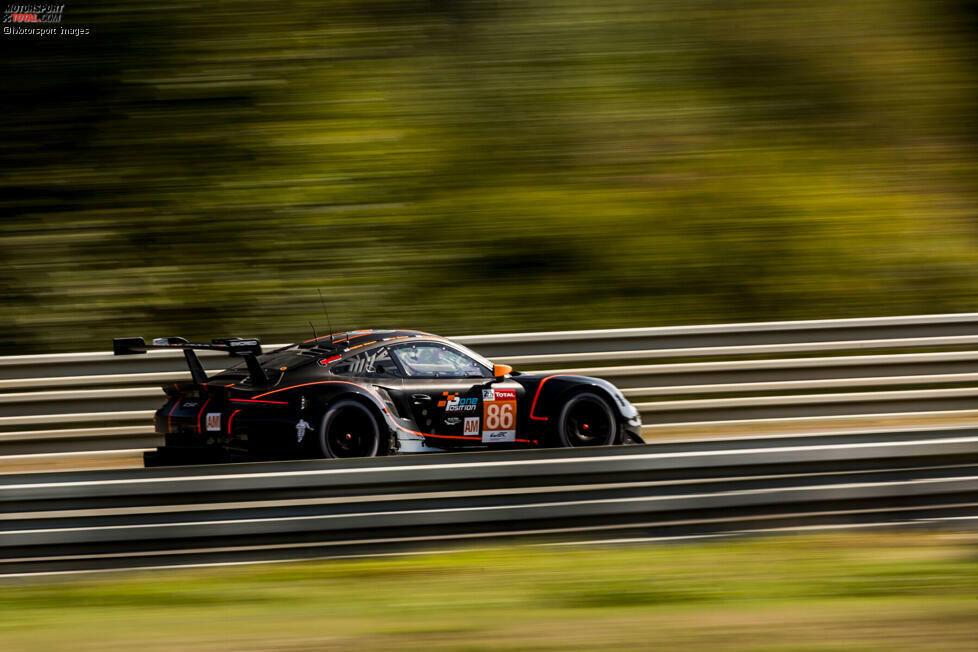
(499, 395)
(452, 403)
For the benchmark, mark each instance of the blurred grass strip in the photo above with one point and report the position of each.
(875, 591)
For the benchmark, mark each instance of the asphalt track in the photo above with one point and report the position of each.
(84, 521)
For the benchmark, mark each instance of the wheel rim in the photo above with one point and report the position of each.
(352, 433)
(587, 423)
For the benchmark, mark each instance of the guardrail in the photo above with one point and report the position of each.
(159, 517)
(705, 374)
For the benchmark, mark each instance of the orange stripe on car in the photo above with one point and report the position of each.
(231, 418)
(360, 345)
(252, 400)
(169, 421)
(533, 407)
(323, 337)
(202, 408)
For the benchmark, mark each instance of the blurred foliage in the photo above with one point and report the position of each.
(465, 166)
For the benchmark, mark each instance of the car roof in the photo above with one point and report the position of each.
(349, 340)
(346, 343)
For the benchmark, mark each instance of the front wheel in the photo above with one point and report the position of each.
(348, 429)
(586, 420)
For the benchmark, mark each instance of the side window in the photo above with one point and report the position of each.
(373, 363)
(427, 360)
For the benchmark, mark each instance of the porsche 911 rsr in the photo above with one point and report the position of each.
(373, 392)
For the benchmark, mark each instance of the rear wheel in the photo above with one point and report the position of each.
(349, 429)
(586, 420)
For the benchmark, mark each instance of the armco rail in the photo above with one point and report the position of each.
(155, 517)
(682, 374)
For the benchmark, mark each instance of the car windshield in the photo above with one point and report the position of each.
(426, 359)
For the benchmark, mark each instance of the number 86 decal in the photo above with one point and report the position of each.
(500, 416)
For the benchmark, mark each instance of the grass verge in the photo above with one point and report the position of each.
(875, 591)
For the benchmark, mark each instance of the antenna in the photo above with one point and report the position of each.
(314, 335)
(323, 301)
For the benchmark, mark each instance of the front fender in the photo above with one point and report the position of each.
(549, 393)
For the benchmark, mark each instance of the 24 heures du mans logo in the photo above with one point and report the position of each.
(27, 13)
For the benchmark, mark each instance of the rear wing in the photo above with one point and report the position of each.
(233, 345)
(249, 349)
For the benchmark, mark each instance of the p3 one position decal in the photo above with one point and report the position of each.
(453, 403)
(498, 415)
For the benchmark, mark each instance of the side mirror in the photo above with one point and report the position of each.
(500, 370)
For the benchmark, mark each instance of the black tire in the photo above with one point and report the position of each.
(586, 419)
(348, 429)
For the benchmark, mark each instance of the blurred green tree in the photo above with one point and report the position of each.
(468, 166)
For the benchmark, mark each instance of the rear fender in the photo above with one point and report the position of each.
(314, 399)
(183, 414)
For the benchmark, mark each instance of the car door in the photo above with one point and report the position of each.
(454, 396)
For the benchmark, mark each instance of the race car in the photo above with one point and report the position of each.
(373, 392)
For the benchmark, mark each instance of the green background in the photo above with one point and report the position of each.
(199, 169)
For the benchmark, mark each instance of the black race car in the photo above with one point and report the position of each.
(373, 392)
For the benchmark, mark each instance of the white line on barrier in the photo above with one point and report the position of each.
(968, 481)
(622, 459)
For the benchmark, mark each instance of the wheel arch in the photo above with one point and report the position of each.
(329, 395)
(553, 391)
